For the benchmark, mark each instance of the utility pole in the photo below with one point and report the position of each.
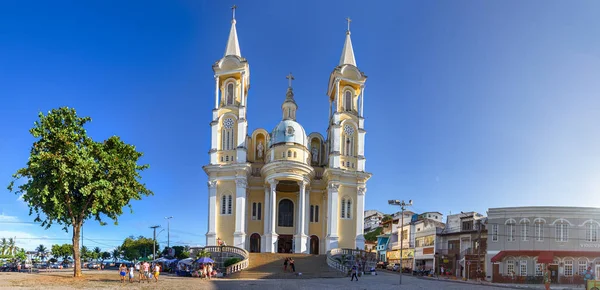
(154, 242)
(402, 205)
(168, 231)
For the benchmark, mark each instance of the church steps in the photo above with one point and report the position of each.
(270, 266)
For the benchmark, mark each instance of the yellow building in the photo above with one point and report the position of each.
(284, 190)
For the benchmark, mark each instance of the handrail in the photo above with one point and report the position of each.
(239, 266)
(370, 258)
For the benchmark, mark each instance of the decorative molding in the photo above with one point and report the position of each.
(362, 190)
(241, 183)
(334, 186)
(212, 184)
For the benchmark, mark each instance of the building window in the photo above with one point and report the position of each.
(562, 232)
(282, 154)
(569, 268)
(316, 213)
(591, 232)
(346, 208)
(539, 231)
(227, 137)
(582, 267)
(494, 233)
(349, 144)
(295, 155)
(538, 269)
(221, 158)
(312, 213)
(467, 226)
(510, 267)
(524, 226)
(510, 231)
(286, 213)
(256, 210)
(348, 101)
(226, 204)
(523, 268)
(230, 94)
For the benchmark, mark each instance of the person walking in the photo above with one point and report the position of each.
(210, 270)
(292, 265)
(285, 264)
(131, 274)
(122, 272)
(587, 275)
(354, 270)
(156, 272)
(547, 276)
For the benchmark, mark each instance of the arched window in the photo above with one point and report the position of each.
(256, 211)
(286, 213)
(346, 208)
(539, 230)
(282, 154)
(289, 153)
(562, 231)
(348, 101)
(591, 232)
(230, 94)
(510, 230)
(524, 229)
(227, 137)
(295, 155)
(226, 204)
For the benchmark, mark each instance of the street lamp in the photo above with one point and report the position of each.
(168, 231)
(403, 206)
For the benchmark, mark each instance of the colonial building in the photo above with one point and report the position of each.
(522, 241)
(426, 228)
(284, 190)
(461, 243)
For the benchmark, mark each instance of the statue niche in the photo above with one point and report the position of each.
(259, 150)
(315, 155)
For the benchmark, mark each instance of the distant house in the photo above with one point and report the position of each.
(372, 220)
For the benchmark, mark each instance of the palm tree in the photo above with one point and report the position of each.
(3, 246)
(97, 253)
(116, 253)
(41, 250)
(202, 253)
(12, 249)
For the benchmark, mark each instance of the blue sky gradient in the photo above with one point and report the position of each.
(468, 105)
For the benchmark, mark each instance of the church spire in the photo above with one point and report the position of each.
(289, 106)
(233, 47)
(347, 51)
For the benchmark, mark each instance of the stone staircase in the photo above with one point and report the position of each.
(270, 266)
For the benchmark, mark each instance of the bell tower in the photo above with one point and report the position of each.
(346, 132)
(229, 126)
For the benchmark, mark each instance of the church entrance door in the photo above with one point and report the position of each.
(284, 244)
(314, 245)
(255, 243)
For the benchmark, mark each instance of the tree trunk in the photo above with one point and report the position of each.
(76, 253)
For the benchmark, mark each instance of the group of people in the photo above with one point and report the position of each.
(205, 270)
(289, 262)
(145, 271)
(587, 275)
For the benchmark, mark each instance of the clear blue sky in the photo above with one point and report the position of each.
(488, 104)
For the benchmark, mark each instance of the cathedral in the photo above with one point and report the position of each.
(283, 191)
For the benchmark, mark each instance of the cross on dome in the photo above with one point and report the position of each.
(290, 78)
(233, 11)
(348, 20)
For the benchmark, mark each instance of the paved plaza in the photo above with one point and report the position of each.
(110, 280)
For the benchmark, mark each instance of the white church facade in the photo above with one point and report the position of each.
(283, 190)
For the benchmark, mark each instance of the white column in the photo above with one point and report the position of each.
(214, 139)
(211, 234)
(362, 100)
(337, 94)
(242, 96)
(239, 236)
(271, 235)
(300, 243)
(216, 92)
(361, 151)
(332, 216)
(307, 220)
(360, 217)
(334, 156)
(266, 218)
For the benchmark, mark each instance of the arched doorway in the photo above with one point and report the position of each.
(255, 243)
(314, 245)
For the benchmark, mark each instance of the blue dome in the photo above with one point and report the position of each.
(288, 131)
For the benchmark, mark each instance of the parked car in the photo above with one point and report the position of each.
(393, 267)
(93, 266)
(382, 265)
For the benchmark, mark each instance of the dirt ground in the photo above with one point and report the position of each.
(95, 280)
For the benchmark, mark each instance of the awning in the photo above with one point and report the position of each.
(546, 257)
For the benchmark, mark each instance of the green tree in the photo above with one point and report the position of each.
(372, 236)
(136, 248)
(20, 255)
(116, 253)
(41, 252)
(97, 253)
(386, 218)
(105, 256)
(71, 178)
(202, 253)
(3, 246)
(11, 246)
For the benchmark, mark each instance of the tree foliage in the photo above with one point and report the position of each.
(70, 178)
(137, 248)
(181, 252)
(63, 251)
(372, 236)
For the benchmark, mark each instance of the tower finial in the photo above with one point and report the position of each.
(348, 20)
(290, 78)
(233, 12)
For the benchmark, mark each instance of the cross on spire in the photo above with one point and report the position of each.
(233, 11)
(348, 20)
(290, 78)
